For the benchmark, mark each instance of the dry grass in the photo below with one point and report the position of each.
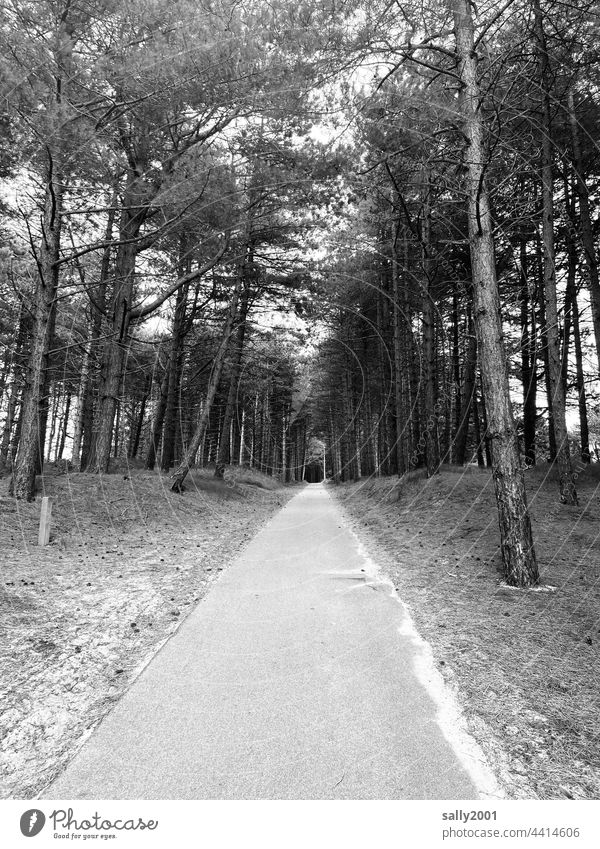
(128, 559)
(526, 664)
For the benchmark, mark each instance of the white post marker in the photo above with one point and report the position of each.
(45, 517)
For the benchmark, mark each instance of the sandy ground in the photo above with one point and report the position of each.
(525, 665)
(81, 618)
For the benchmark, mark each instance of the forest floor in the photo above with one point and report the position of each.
(81, 617)
(524, 664)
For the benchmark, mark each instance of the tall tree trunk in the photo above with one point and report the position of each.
(64, 426)
(477, 428)
(568, 494)
(518, 554)
(570, 287)
(18, 357)
(225, 448)
(140, 417)
(180, 473)
(89, 388)
(11, 407)
(467, 389)
(401, 421)
(242, 438)
(157, 424)
(456, 393)
(573, 312)
(132, 217)
(591, 259)
(528, 356)
(81, 399)
(486, 438)
(175, 364)
(432, 456)
(382, 367)
(581, 394)
(544, 350)
(54, 421)
(24, 471)
(7, 363)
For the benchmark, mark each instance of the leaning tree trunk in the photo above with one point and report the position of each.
(568, 494)
(518, 554)
(23, 480)
(180, 473)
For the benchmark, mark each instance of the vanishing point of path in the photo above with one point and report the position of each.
(298, 676)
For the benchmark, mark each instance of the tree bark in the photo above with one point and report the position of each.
(97, 309)
(399, 320)
(572, 310)
(140, 418)
(157, 424)
(14, 391)
(587, 236)
(528, 356)
(81, 400)
(432, 455)
(64, 426)
(23, 480)
(456, 394)
(175, 364)
(581, 393)
(132, 217)
(568, 494)
(225, 448)
(518, 554)
(180, 473)
(467, 389)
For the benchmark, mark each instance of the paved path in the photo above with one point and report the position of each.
(297, 677)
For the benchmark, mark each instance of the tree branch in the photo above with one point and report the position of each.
(142, 311)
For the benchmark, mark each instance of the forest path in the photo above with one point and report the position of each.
(298, 676)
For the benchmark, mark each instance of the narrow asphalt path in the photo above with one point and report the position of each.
(298, 676)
